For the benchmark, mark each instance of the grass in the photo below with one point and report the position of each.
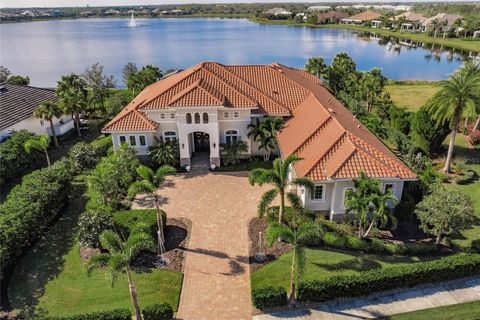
(457, 43)
(411, 94)
(51, 276)
(464, 311)
(325, 263)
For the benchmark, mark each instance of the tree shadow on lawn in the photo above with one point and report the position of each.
(45, 260)
(355, 264)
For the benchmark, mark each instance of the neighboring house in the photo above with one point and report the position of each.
(17, 103)
(330, 17)
(412, 22)
(319, 8)
(476, 34)
(210, 103)
(278, 12)
(361, 18)
(445, 20)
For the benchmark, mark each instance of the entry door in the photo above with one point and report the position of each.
(202, 141)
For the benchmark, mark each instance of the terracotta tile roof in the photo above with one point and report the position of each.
(332, 143)
(365, 16)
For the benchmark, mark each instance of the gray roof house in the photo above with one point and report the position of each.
(441, 18)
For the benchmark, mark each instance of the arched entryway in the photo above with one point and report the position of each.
(201, 142)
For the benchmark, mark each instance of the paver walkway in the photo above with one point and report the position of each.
(388, 303)
(216, 281)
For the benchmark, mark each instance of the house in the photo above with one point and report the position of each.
(319, 8)
(87, 13)
(278, 12)
(330, 17)
(476, 34)
(210, 103)
(412, 21)
(444, 20)
(17, 103)
(361, 17)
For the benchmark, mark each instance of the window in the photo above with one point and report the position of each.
(162, 115)
(205, 117)
(143, 141)
(236, 114)
(197, 117)
(167, 135)
(225, 114)
(231, 135)
(318, 193)
(345, 195)
(122, 139)
(388, 186)
(133, 141)
(172, 115)
(189, 118)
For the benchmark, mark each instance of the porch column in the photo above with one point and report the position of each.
(183, 142)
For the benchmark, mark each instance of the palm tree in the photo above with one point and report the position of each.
(120, 255)
(150, 183)
(278, 177)
(165, 152)
(316, 66)
(382, 211)
(232, 149)
(264, 133)
(47, 110)
(457, 94)
(71, 90)
(40, 142)
(298, 238)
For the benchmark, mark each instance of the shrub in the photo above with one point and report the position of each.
(290, 215)
(425, 132)
(268, 297)
(160, 311)
(447, 268)
(127, 219)
(115, 314)
(14, 160)
(92, 223)
(334, 240)
(85, 156)
(103, 143)
(342, 228)
(31, 207)
(469, 176)
(474, 138)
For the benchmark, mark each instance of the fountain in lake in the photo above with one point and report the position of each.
(132, 23)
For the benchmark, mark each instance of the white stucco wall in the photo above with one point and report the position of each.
(140, 150)
(34, 125)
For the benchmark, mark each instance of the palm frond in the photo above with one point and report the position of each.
(305, 182)
(266, 201)
(295, 201)
(164, 171)
(111, 241)
(300, 262)
(138, 242)
(145, 173)
(290, 160)
(138, 187)
(277, 231)
(97, 261)
(255, 176)
(116, 264)
(307, 232)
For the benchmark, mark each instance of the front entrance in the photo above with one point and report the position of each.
(201, 142)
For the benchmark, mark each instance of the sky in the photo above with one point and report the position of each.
(82, 3)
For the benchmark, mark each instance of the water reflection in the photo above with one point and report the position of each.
(45, 50)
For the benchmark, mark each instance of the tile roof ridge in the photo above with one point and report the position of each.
(197, 84)
(253, 87)
(314, 132)
(144, 117)
(341, 164)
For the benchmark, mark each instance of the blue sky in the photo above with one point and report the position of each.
(81, 3)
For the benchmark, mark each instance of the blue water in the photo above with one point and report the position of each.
(45, 50)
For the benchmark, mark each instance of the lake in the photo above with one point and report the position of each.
(46, 50)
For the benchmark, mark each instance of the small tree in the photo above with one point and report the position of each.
(120, 256)
(150, 183)
(40, 142)
(299, 239)
(278, 178)
(47, 110)
(165, 152)
(232, 149)
(265, 134)
(445, 212)
(72, 92)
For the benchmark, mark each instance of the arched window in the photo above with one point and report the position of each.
(205, 117)
(189, 118)
(169, 135)
(197, 117)
(231, 135)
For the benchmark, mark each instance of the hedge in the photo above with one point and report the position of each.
(129, 218)
(14, 160)
(160, 311)
(447, 268)
(268, 297)
(115, 314)
(30, 208)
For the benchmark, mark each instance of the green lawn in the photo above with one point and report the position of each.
(464, 311)
(324, 263)
(411, 94)
(51, 276)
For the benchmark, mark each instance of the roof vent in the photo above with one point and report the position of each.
(331, 110)
(275, 91)
(359, 126)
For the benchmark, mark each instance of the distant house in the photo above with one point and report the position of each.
(278, 12)
(330, 17)
(412, 21)
(445, 20)
(111, 12)
(361, 17)
(87, 13)
(17, 103)
(476, 34)
(319, 8)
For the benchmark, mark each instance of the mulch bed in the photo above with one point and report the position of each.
(177, 233)
(255, 226)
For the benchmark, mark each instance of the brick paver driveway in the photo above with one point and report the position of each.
(216, 284)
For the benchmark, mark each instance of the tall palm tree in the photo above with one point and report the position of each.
(382, 211)
(71, 90)
(316, 66)
(40, 142)
(150, 183)
(120, 255)
(278, 178)
(299, 239)
(265, 133)
(457, 94)
(47, 110)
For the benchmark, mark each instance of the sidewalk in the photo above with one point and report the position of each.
(388, 302)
